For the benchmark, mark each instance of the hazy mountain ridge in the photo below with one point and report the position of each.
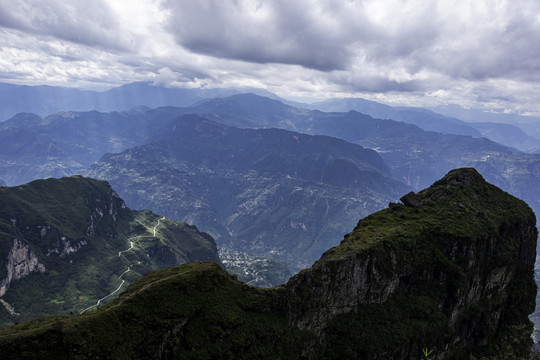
(46, 100)
(449, 271)
(62, 144)
(64, 244)
(509, 135)
(415, 157)
(516, 134)
(266, 191)
(423, 118)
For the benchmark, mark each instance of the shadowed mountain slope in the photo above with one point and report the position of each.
(415, 156)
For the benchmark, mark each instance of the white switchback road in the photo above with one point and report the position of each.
(127, 270)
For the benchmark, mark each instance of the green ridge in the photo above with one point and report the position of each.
(84, 238)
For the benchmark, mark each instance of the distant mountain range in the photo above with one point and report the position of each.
(47, 100)
(262, 191)
(71, 244)
(517, 133)
(520, 132)
(66, 143)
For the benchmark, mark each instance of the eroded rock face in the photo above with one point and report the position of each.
(338, 288)
(411, 199)
(109, 207)
(64, 247)
(21, 261)
(471, 275)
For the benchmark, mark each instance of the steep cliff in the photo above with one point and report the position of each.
(67, 243)
(450, 270)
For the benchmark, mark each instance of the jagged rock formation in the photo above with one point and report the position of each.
(66, 243)
(21, 261)
(453, 275)
(411, 199)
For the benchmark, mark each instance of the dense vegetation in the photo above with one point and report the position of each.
(197, 310)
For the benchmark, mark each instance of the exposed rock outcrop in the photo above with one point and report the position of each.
(103, 209)
(411, 199)
(20, 262)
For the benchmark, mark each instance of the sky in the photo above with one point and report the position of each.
(478, 54)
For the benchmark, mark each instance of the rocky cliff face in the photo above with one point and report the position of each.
(450, 270)
(21, 261)
(458, 261)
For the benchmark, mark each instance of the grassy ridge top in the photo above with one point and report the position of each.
(64, 203)
(196, 309)
(460, 205)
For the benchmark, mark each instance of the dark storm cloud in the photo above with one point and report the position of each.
(376, 84)
(320, 35)
(82, 22)
(488, 39)
(288, 32)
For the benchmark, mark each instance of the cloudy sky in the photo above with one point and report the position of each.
(481, 54)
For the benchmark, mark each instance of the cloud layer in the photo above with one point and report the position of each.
(481, 54)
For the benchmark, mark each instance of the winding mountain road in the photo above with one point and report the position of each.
(127, 270)
(159, 220)
(130, 247)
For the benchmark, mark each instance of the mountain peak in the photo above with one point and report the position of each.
(462, 177)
